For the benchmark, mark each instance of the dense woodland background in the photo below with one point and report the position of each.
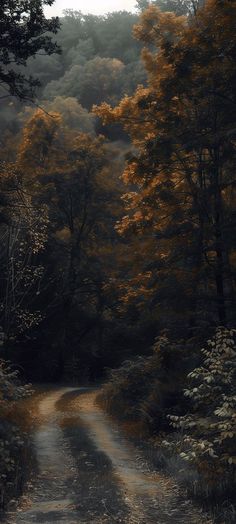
(118, 217)
(74, 283)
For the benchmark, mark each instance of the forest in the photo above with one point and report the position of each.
(118, 230)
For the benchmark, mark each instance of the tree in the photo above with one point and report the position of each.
(97, 80)
(82, 37)
(180, 7)
(84, 202)
(69, 172)
(73, 114)
(23, 236)
(183, 126)
(23, 34)
(141, 5)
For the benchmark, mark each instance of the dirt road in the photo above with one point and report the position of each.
(89, 473)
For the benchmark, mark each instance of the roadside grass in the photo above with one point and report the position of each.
(18, 462)
(215, 496)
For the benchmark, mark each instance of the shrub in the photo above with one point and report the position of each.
(11, 439)
(209, 429)
(147, 388)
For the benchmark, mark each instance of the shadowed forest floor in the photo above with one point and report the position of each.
(89, 473)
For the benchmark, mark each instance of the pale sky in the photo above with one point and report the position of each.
(97, 7)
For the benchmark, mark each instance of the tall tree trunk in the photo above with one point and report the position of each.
(220, 265)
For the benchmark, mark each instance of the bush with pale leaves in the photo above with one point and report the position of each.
(209, 431)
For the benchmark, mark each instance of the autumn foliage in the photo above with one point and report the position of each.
(182, 128)
(118, 224)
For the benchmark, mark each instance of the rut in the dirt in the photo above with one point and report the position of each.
(151, 497)
(88, 472)
(51, 499)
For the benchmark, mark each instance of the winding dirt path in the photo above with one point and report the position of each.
(89, 473)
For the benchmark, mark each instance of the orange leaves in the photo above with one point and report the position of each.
(105, 112)
(161, 31)
(40, 136)
(138, 123)
(130, 173)
(181, 127)
(49, 147)
(156, 26)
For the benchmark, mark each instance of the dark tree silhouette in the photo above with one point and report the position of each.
(24, 33)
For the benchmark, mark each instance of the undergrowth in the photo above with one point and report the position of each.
(184, 411)
(14, 441)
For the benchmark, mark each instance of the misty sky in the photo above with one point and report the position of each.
(90, 6)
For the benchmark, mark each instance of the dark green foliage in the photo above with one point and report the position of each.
(97, 80)
(12, 441)
(23, 34)
(107, 36)
(147, 389)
